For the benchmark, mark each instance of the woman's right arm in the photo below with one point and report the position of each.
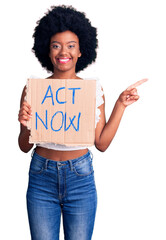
(25, 114)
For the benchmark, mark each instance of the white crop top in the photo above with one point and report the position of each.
(60, 147)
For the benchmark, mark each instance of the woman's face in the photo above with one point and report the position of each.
(64, 51)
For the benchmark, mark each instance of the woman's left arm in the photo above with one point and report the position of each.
(105, 132)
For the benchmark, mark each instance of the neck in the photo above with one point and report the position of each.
(64, 75)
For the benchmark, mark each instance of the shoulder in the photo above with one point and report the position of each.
(24, 91)
(99, 94)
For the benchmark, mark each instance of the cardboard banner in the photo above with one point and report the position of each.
(63, 111)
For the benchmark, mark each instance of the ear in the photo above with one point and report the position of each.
(79, 54)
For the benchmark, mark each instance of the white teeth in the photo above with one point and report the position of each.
(63, 60)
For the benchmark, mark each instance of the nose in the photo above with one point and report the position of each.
(63, 51)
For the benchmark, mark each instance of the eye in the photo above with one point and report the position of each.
(71, 46)
(55, 46)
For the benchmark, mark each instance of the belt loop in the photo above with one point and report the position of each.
(71, 165)
(32, 152)
(46, 163)
(91, 154)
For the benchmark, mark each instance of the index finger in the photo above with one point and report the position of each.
(137, 84)
(26, 104)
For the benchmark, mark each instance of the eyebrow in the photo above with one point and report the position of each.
(60, 43)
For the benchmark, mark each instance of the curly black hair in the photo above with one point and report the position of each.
(60, 19)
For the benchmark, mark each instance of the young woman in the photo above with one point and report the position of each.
(61, 178)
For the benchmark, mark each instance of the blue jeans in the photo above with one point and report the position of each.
(66, 187)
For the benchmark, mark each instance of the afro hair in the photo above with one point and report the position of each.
(60, 19)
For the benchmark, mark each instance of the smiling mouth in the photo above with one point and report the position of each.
(63, 60)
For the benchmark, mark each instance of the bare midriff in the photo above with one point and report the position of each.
(60, 155)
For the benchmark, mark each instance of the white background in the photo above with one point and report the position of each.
(130, 175)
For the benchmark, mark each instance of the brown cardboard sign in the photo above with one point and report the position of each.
(63, 111)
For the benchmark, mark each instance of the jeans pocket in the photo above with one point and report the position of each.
(84, 167)
(36, 166)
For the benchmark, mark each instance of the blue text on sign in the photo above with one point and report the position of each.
(73, 121)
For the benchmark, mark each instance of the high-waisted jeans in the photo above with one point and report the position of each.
(66, 187)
